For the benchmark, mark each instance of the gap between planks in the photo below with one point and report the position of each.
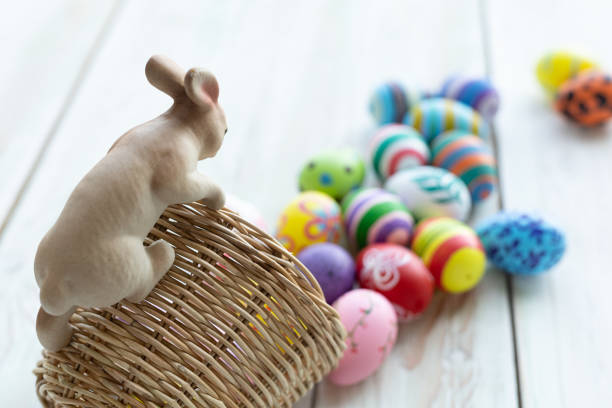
(65, 107)
(483, 12)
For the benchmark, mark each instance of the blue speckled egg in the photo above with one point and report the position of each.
(521, 243)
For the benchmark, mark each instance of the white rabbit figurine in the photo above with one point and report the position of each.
(93, 256)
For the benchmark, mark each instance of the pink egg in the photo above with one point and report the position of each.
(371, 326)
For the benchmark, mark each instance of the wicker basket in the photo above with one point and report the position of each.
(236, 322)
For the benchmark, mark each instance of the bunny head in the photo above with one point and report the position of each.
(195, 95)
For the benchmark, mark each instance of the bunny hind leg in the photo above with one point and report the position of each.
(158, 259)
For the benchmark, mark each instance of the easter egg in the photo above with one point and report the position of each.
(332, 266)
(399, 275)
(451, 251)
(374, 215)
(436, 115)
(586, 99)
(431, 192)
(395, 147)
(469, 158)
(477, 93)
(521, 243)
(371, 331)
(309, 218)
(333, 172)
(391, 101)
(555, 68)
(247, 211)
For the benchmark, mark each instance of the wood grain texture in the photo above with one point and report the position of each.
(46, 47)
(294, 79)
(459, 353)
(550, 166)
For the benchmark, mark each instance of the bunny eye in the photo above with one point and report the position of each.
(225, 131)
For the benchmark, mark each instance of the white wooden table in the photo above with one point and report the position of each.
(295, 77)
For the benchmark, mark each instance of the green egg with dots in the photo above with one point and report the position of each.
(333, 172)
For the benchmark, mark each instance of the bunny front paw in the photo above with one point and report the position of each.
(215, 199)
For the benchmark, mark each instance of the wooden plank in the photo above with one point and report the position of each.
(550, 166)
(294, 80)
(46, 47)
(460, 352)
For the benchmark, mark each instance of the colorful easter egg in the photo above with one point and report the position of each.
(399, 275)
(310, 218)
(371, 331)
(436, 115)
(395, 147)
(555, 68)
(333, 172)
(586, 99)
(247, 211)
(469, 158)
(431, 192)
(374, 215)
(451, 251)
(332, 266)
(477, 93)
(521, 243)
(391, 101)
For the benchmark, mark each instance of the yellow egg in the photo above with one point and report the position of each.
(555, 68)
(310, 218)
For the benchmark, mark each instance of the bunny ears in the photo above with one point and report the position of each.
(200, 86)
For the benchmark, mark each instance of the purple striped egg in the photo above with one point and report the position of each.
(474, 92)
(374, 215)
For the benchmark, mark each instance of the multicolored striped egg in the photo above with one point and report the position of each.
(555, 68)
(395, 147)
(391, 101)
(436, 115)
(469, 158)
(431, 192)
(451, 251)
(475, 92)
(310, 218)
(586, 99)
(373, 215)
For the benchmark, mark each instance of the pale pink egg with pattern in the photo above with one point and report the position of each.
(371, 330)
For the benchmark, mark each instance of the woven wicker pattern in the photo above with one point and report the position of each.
(236, 322)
